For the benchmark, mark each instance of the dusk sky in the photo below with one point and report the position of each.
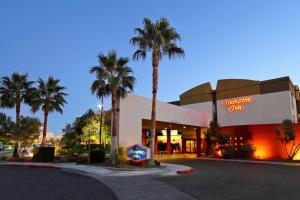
(222, 39)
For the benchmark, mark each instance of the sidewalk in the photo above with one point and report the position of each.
(126, 184)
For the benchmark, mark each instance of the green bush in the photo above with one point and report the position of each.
(97, 156)
(43, 154)
(247, 151)
(229, 152)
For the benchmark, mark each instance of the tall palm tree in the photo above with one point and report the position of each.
(50, 97)
(14, 91)
(113, 77)
(160, 39)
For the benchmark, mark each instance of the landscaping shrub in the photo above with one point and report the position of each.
(229, 152)
(247, 151)
(97, 156)
(43, 154)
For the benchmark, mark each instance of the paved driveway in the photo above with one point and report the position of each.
(49, 184)
(237, 181)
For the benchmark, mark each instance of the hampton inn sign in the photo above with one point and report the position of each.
(234, 105)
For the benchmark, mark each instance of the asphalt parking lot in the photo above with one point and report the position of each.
(49, 184)
(237, 181)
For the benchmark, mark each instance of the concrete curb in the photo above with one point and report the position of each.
(167, 170)
(253, 162)
(30, 166)
(187, 171)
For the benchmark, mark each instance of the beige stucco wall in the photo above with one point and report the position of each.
(268, 108)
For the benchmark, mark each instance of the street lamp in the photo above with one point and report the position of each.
(100, 106)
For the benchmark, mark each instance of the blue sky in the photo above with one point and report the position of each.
(250, 39)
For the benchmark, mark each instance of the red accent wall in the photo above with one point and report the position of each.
(263, 137)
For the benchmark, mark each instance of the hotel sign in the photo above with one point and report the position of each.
(138, 153)
(236, 105)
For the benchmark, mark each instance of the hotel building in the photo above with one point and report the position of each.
(248, 111)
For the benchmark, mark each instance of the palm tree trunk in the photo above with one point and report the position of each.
(155, 63)
(114, 145)
(101, 116)
(18, 111)
(45, 128)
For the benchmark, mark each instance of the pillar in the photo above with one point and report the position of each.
(203, 145)
(198, 141)
(156, 143)
(144, 137)
(183, 141)
(169, 148)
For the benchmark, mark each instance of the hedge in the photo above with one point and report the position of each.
(43, 154)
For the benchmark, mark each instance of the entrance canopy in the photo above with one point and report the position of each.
(133, 110)
(146, 124)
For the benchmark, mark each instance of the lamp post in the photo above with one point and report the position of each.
(89, 147)
(100, 106)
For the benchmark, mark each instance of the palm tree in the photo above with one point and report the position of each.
(113, 77)
(14, 91)
(50, 97)
(160, 39)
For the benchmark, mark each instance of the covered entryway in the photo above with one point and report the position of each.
(173, 138)
(175, 125)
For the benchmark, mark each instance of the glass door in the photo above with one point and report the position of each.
(190, 146)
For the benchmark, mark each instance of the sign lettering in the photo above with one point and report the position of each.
(236, 105)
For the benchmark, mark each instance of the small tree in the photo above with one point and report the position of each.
(287, 136)
(214, 137)
(25, 132)
(5, 127)
(28, 131)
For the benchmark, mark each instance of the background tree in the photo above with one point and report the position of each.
(160, 39)
(6, 125)
(287, 136)
(113, 77)
(28, 131)
(75, 134)
(14, 91)
(50, 97)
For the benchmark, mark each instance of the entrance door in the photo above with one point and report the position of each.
(190, 146)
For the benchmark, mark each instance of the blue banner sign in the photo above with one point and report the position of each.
(137, 153)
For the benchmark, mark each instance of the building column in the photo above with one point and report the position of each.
(198, 141)
(183, 146)
(169, 148)
(156, 143)
(144, 137)
(204, 145)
